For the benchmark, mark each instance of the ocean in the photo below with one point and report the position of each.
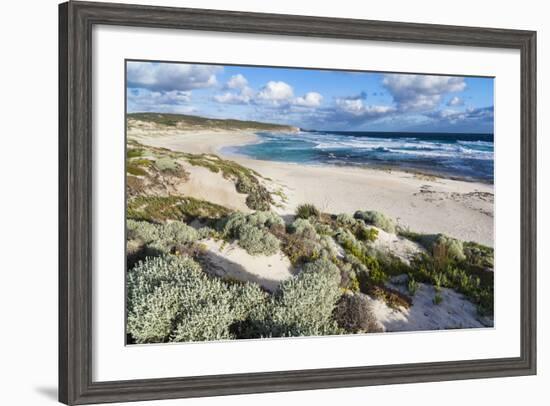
(462, 156)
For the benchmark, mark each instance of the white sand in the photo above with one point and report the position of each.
(401, 247)
(231, 261)
(453, 312)
(424, 204)
(207, 185)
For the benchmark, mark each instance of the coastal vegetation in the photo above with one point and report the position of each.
(341, 266)
(190, 122)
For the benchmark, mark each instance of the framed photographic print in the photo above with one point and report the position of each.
(259, 202)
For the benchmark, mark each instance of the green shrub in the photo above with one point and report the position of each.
(323, 229)
(345, 219)
(376, 219)
(299, 249)
(135, 170)
(257, 241)
(305, 211)
(259, 199)
(368, 234)
(134, 152)
(437, 299)
(478, 254)
(161, 208)
(412, 286)
(354, 314)
(445, 249)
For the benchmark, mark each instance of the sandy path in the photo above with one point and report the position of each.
(231, 261)
(453, 312)
(424, 204)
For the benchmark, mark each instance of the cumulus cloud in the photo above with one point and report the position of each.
(455, 101)
(237, 82)
(239, 91)
(357, 108)
(166, 77)
(418, 93)
(243, 96)
(276, 92)
(310, 99)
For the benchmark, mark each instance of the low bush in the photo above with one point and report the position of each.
(392, 297)
(135, 170)
(257, 241)
(171, 299)
(253, 231)
(229, 226)
(134, 152)
(376, 219)
(354, 314)
(166, 164)
(304, 304)
(303, 228)
(305, 211)
(412, 286)
(367, 234)
(161, 237)
(162, 208)
(445, 249)
(345, 220)
(478, 254)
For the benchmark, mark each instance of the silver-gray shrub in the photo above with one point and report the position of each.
(251, 231)
(171, 299)
(257, 241)
(376, 219)
(162, 237)
(305, 303)
(260, 219)
(345, 219)
(304, 228)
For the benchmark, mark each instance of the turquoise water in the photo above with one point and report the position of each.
(464, 156)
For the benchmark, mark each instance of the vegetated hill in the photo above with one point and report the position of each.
(189, 121)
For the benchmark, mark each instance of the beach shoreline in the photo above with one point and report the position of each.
(421, 202)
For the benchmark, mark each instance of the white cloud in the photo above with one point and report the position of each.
(421, 92)
(175, 101)
(144, 97)
(276, 92)
(241, 93)
(167, 77)
(310, 99)
(455, 101)
(243, 97)
(237, 82)
(357, 108)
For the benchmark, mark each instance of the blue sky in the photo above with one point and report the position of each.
(314, 99)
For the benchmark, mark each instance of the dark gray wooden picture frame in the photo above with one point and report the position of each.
(76, 20)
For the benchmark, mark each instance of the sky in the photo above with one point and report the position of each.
(314, 99)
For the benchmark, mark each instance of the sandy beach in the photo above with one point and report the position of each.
(426, 204)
